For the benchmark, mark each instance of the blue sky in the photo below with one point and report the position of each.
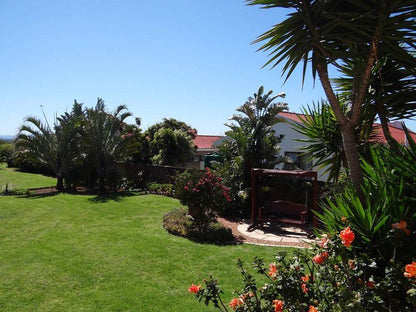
(184, 59)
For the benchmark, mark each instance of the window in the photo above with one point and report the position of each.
(299, 161)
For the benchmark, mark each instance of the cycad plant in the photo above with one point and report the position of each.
(103, 140)
(55, 148)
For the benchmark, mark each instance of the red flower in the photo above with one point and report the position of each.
(278, 305)
(272, 270)
(347, 236)
(410, 270)
(370, 284)
(312, 309)
(194, 289)
(236, 302)
(304, 288)
(401, 226)
(320, 258)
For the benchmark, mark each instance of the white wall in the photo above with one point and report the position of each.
(290, 144)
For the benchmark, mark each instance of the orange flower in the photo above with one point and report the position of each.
(236, 302)
(401, 226)
(305, 278)
(410, 270)
(278, 305)
(194, 289)
(312, 309)
(347, 236)
(272, 270)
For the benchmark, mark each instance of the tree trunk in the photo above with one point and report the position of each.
(347, 128)
(353, 159)
(59, 183)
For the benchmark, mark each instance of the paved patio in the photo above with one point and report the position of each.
(274, 234)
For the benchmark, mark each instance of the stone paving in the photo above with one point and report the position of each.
(276, 234)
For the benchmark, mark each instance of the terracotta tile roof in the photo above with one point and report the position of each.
(396, 132)
(292, 116)
(395, 128)
(206, 141)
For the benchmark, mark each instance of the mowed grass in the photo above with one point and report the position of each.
(21, 180)
(76, 253)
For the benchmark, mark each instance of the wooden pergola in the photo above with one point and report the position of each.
(289, 212)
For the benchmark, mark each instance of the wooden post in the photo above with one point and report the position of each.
(253, 196)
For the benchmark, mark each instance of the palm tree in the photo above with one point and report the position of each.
(253, 141)
(52, 148)
(103, 141)
(333, 33)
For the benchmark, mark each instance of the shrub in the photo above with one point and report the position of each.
(178, 222)
(160, 189)
(203, 193)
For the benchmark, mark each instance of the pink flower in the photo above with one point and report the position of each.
(323, 242)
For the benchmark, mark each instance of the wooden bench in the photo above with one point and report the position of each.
(284, 211)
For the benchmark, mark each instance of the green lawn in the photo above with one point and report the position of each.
(77, 253)
(20, 180)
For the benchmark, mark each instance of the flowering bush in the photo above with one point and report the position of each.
(203, 193)
(330, 276)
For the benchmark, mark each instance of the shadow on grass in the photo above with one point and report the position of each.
(98, 198)
(114, 196)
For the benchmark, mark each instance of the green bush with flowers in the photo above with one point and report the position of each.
(363, 261)
(203, 193)
(328, 277)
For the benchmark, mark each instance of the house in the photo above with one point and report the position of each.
(204, 145)
(291, 147)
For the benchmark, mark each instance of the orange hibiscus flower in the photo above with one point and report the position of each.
(401, 226)
(410, 270)
(194, 289)
(278, 305)
(347, 236)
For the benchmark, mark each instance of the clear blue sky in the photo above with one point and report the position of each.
(186, 59)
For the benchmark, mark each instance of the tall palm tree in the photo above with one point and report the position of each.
(103, 140)
(253, 143)
(332, 33)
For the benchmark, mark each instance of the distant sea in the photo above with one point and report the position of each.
(7, 137)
